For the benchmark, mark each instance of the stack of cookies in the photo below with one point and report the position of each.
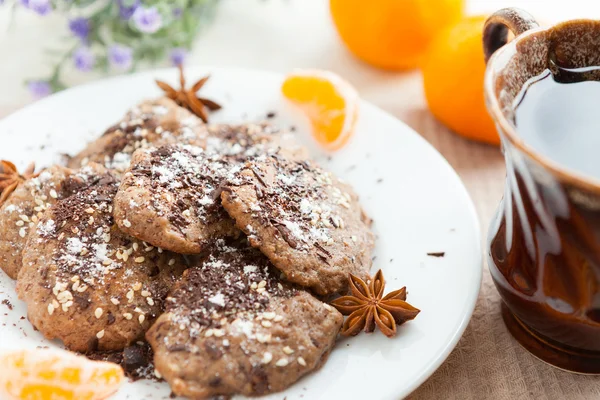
(215, 243)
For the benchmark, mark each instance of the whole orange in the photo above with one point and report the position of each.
(392, 34)
(453, 75)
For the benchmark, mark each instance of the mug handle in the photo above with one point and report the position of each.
(495, 31)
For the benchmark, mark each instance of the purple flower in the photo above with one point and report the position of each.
(39, 89)
(84, 59)
(120, 56)
(178, 56)
(127, 8)
(80, 27)
(147, 20)
(41, 7)
(177, 12)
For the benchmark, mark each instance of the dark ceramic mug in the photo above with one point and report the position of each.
(544, 243)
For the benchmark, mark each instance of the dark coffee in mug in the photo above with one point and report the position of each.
(542, 89)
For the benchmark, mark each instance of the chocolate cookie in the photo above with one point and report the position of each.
(151, 123)
(170, 197)
(26, 205)
(232, 327)
(87, 283)
(304, 219)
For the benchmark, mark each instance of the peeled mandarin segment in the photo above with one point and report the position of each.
(328, 101)
(106, 377)
(71, 375)
(56, 375)
(45, 392)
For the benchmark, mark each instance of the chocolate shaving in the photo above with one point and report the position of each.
(323, 258)
(220, 189)
(259, 177)
(7, 303)
(212, 349)
(305, 164)
(177, 348)
(82, 301)
(438, 254)
(334, 222)
(259, 192)
(285, 233)
(318, 246)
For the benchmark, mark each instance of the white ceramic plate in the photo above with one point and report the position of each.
(416, 200)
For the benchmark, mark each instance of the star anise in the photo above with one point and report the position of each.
(367, 307)
(10, 178)
(188, 98)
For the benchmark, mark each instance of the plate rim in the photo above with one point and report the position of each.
(471, 300)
